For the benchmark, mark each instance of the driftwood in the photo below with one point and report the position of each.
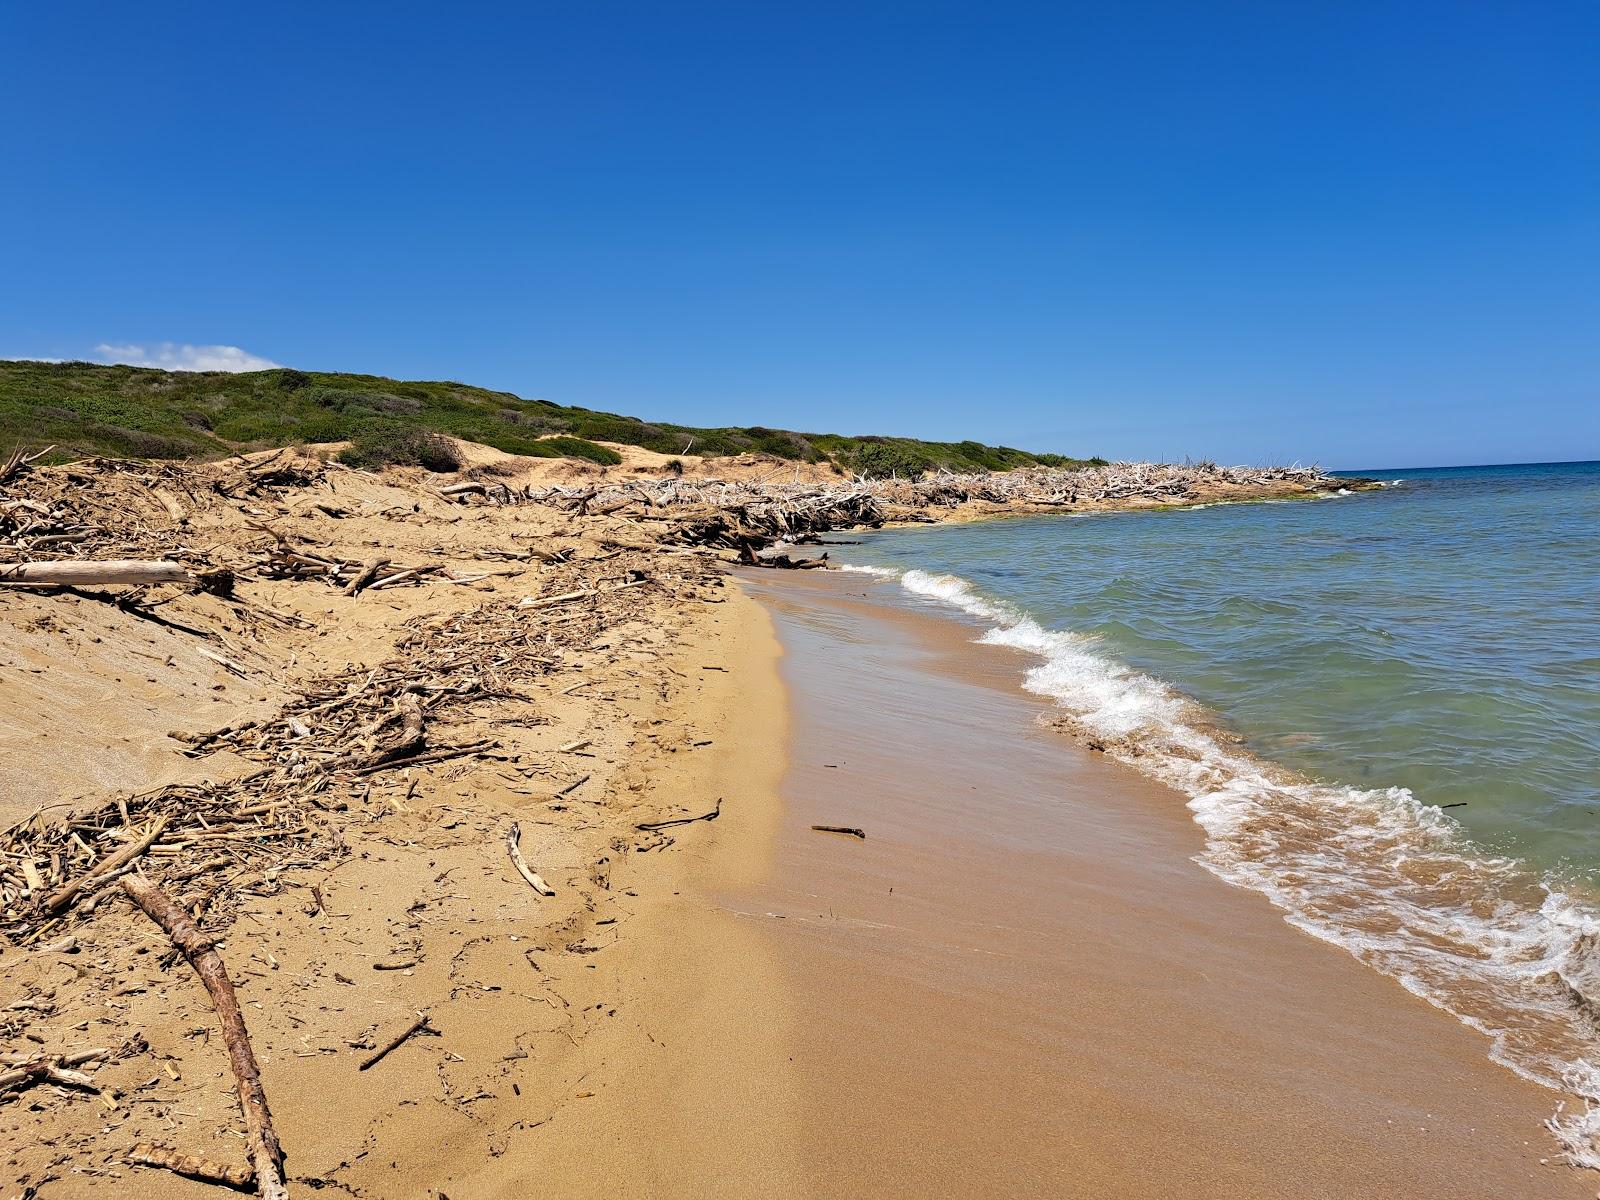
(747, 515)
(431, 756)
(19, 461)
(368, 573)
(106, 866)
(583, 594)
(420, 1025)
(191, 1165)
(535, 880)
(849, 829)
(110, 572)
(705, 816)
(261, 1139)
(46, 1069)
(779, 560)
(410, 741)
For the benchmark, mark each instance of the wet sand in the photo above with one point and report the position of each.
(1021, 984)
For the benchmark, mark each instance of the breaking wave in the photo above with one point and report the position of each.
(1395, 882)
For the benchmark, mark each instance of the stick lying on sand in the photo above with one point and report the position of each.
(705, 816)
(53, 1070)
(420, 1025)
(535, 880)
(192, 1165)
(849, 829)
(261, 1139)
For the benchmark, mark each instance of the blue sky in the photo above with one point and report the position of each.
(1360, 234)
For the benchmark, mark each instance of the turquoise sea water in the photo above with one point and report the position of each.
(1322, 679)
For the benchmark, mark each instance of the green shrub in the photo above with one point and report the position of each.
(876, 459)
(571, 447)
(393, 445)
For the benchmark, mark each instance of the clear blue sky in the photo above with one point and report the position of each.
(1367, 234)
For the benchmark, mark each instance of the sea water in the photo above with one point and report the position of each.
(1383, 708)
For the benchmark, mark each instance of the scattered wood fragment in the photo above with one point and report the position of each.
(420, 1025)
(705, 816)
(52, 1069)
(847, 829)
(574, 786)
(431, 756)
(106, 866)
(261, 1139)
(535, 880)
(581, 594)
(191, 1165)
(369, 572)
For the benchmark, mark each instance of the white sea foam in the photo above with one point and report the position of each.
(1390, 879)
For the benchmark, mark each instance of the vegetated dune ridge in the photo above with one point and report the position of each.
(319, 748)
(90, 408)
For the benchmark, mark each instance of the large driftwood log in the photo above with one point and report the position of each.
(260, 1138)
(109, 572)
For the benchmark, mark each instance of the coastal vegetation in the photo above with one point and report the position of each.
(136, 412)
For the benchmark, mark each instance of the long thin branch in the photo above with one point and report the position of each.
(265, 1154)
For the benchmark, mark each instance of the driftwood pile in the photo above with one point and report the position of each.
(96, 509)
(213, 838)
(352, 576)
(1122, 481)
(108, 522)
(746, 516)
(316, 752)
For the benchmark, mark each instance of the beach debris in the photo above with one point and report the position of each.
(51, 1069)
(192, 1165)
(80, 573)
(106, 866)
(285, 560)
(195, 830)
(420, 1025)
(705, 816)
(777, 557)
(261, 1140)
(513, 846)
(846, 829)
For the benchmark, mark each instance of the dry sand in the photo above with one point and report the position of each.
(588, 1043)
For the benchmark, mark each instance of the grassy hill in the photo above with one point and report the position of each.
(135, 412)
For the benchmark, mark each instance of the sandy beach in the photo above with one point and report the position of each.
(1018, 981)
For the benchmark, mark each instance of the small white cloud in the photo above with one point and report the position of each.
(169, 356)
(29, 358)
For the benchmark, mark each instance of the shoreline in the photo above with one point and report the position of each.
(636, 1034)
(1055, 998)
